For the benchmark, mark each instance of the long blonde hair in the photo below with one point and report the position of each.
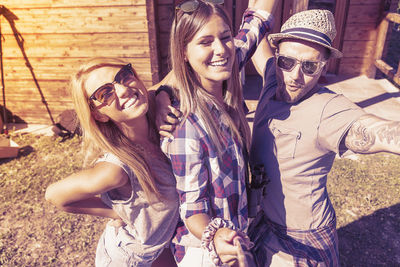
(193, 97)
(102, 137)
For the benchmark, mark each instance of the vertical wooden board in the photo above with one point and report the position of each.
(229, 6)
(165, 17)
(380, 46)
(278, 18)
(77, 20)
(165, 12)
(287, 11)
(240, 8)
(340, 14)
(300, 5)
(153, 42)
(381, 39)
(164, 54)
(164, 44)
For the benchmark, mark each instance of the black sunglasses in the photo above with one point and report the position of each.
(105, 94)
(190, 6)
(308, 67)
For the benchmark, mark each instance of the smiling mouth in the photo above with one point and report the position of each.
(131, 101)
(219, 63)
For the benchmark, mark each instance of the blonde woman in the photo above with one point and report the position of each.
(207, 149)
(126, 166)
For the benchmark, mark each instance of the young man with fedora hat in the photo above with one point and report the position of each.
(299, 128)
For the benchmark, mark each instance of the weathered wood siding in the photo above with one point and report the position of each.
(360, 35)
(56, 36)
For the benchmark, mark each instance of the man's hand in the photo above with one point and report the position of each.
(167, 117)
(233, 248)
(223, 242)
(244, 256)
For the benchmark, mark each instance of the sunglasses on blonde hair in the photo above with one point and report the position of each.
(308, 67)
(105, 94)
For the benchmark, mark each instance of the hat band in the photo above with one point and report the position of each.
(313, 35)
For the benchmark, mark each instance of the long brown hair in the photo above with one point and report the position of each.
(193, 97)
(102, 137)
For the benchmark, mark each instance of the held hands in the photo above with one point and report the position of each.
(232, 248)
(244, 256)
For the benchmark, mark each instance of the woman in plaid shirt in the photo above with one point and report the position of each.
(207, 147)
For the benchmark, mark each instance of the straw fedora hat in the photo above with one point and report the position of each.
(315, 25)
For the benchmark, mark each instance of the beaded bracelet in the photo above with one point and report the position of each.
(207, 238)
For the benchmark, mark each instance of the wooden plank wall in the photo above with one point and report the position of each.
(359, 39)
(55, 38)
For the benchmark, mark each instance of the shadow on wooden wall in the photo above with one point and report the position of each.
(11, 17)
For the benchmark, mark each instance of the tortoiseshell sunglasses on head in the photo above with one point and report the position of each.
(190, 6)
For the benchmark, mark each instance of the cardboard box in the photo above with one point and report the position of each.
(8, 148)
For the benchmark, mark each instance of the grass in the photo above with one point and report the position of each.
(32, 232)
(365, 193)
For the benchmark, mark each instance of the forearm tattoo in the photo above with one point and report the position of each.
(359, 139)
(371, 134)
(389, 133)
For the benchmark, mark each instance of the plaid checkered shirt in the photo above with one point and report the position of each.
(207, 183)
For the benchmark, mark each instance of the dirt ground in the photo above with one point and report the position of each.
(365, 193)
